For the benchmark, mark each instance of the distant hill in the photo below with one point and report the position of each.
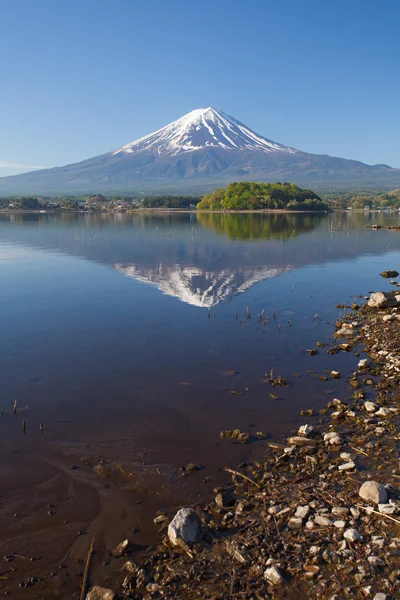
(192, 155)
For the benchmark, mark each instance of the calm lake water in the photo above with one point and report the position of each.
(115, 325)
(125, 336)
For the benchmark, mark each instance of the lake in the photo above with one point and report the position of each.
(133, 340)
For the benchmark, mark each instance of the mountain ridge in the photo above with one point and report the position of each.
(204, 148)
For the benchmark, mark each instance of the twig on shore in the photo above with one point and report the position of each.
(371, 510)
(87, 571)
(360, 451)
(233, 472)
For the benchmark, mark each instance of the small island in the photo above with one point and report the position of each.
(248, 195)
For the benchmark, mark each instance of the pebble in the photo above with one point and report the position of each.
(302, 511)
(380, 596)
(373, 491)
(347, 466)
(352, 535)
(274, 575)
(335, 374)
(305, 430)
(339, 511)
(295, 523)
(332, 438)
(375, 561)
(370, 406)
(322, 521)
(387, 509)
(99, 593)
(185, 526)
(340, 524)
(363, 363)
(383, 412)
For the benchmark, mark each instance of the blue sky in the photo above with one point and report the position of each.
(82, 77)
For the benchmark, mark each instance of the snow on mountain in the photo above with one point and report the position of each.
(199, 129)
(199, 287)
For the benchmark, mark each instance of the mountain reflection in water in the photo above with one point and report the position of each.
(203, 259)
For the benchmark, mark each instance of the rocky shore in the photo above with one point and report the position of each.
(318, 518)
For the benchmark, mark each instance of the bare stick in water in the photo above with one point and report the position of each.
(87, 571)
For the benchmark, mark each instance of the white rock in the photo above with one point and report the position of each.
(380, 595)
(387, 318)
(310, 524)
(346, 456)
(322, 521)
(295, 523)
(387, 509)
(376, 561)
(314, 550)
(347, 466)
(185, 526)
(363, 363)
(352, 535)
(383, 412)
(340, 524)
(274, 575)
(381, 300)
(283, 512)
(373, 491)
(99, 593)
(273, 510)
(339, 511)
(335, 374)
(370, 406)
(332, 439)
(305, 430)
(302, 511)
(355, 512)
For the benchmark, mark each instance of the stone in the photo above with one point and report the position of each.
(274, 575)
(185, 527)
(99, 593)
(295, 523)
(335, 374)
(301, 441)
(344, 332)
(388, 318)
(305, 430)
(383, 412)
(340, 511)
(340, 524)
(389, 274)
(322, 521)
(375, 561)
(311, 570)
(355, 512)
(352, 535)
(370, 406)
(381, 300)
(364, 363)
(332, 439)
(225, 499)
(122, 549)
(302, 511)
(387, 509)
(380, 596)
(347, 466)
(373, 491)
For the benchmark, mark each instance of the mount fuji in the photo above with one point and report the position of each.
(202, 149)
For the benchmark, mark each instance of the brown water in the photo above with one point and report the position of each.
(120, 335)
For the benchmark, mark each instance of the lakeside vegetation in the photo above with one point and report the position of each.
(241, 196)
(262, 196)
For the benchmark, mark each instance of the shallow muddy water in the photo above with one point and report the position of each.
(134, 340)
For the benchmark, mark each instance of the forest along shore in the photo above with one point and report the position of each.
(319, 518)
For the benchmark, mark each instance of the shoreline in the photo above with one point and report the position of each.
(295, 526)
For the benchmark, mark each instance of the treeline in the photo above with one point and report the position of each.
(258, 196)
(170, 201)
(364, 199)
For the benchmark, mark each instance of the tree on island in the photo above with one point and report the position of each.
(261, 196)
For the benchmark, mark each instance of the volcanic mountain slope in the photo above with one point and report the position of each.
(201, 149)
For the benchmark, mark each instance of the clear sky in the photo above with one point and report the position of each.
(82, 77)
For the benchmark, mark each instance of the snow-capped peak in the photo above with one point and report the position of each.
(199, 129)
